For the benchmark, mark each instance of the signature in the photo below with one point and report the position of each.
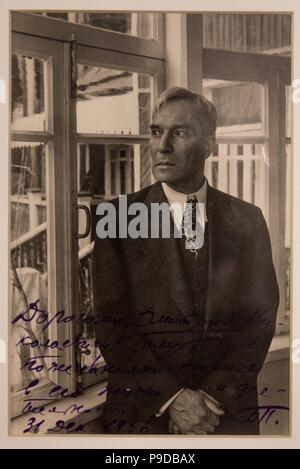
(263, 413)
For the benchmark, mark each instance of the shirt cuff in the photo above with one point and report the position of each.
(167, 404)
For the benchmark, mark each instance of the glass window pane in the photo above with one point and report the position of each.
(243, 175)
(28, 259)
(239, 168)
(267, 33)
(112, 170)
(240, 106)
(107, 170)
(28, 97)
(111, 101)
(134, 24)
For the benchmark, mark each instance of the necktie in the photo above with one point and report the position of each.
(192, 228)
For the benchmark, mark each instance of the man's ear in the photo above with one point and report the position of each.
(210, 142)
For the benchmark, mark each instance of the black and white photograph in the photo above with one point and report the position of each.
(150, 232)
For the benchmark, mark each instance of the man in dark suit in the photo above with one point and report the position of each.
(185, 332)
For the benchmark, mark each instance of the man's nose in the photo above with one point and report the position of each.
(165, 144)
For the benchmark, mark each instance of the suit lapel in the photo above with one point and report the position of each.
(223, 249)
(164, 257)
(223, 253)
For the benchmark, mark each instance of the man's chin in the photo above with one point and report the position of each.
(164, 176)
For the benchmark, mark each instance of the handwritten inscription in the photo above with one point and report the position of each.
(146, 317)
(47, 355)
(27, 340)
(33, 364)
(34, 426)
(263, 414)
(37, 412)
(43, 318)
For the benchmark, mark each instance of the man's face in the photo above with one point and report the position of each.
(178, 146)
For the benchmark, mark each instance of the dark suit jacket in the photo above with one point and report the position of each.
(153, 345)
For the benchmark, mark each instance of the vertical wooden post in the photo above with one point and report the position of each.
(184, 50)
(194, 30)
(277, 181)
(176, 50)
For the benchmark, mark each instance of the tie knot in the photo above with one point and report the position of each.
(191, 198)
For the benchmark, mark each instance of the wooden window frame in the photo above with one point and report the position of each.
(57, 40)
(136, 64)
(274, 73)
(99, 57)
(91, 36)
(60, 199)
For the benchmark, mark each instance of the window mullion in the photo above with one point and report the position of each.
(62, 172)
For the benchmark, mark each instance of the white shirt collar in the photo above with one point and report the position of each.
(175, 197)
(178, 197)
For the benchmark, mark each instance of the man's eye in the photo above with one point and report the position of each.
(180, 132)
(156, 132)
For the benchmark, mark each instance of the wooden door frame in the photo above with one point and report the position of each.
(275, 73)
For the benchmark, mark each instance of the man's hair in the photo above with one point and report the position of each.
(205, 109)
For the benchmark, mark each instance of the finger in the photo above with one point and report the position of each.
(212, 418)
(196, 430)
(207, 427)
(173, 428)
(176, 430)
(213, 407)
(211, 398)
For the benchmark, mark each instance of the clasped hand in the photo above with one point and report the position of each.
(194, 412)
